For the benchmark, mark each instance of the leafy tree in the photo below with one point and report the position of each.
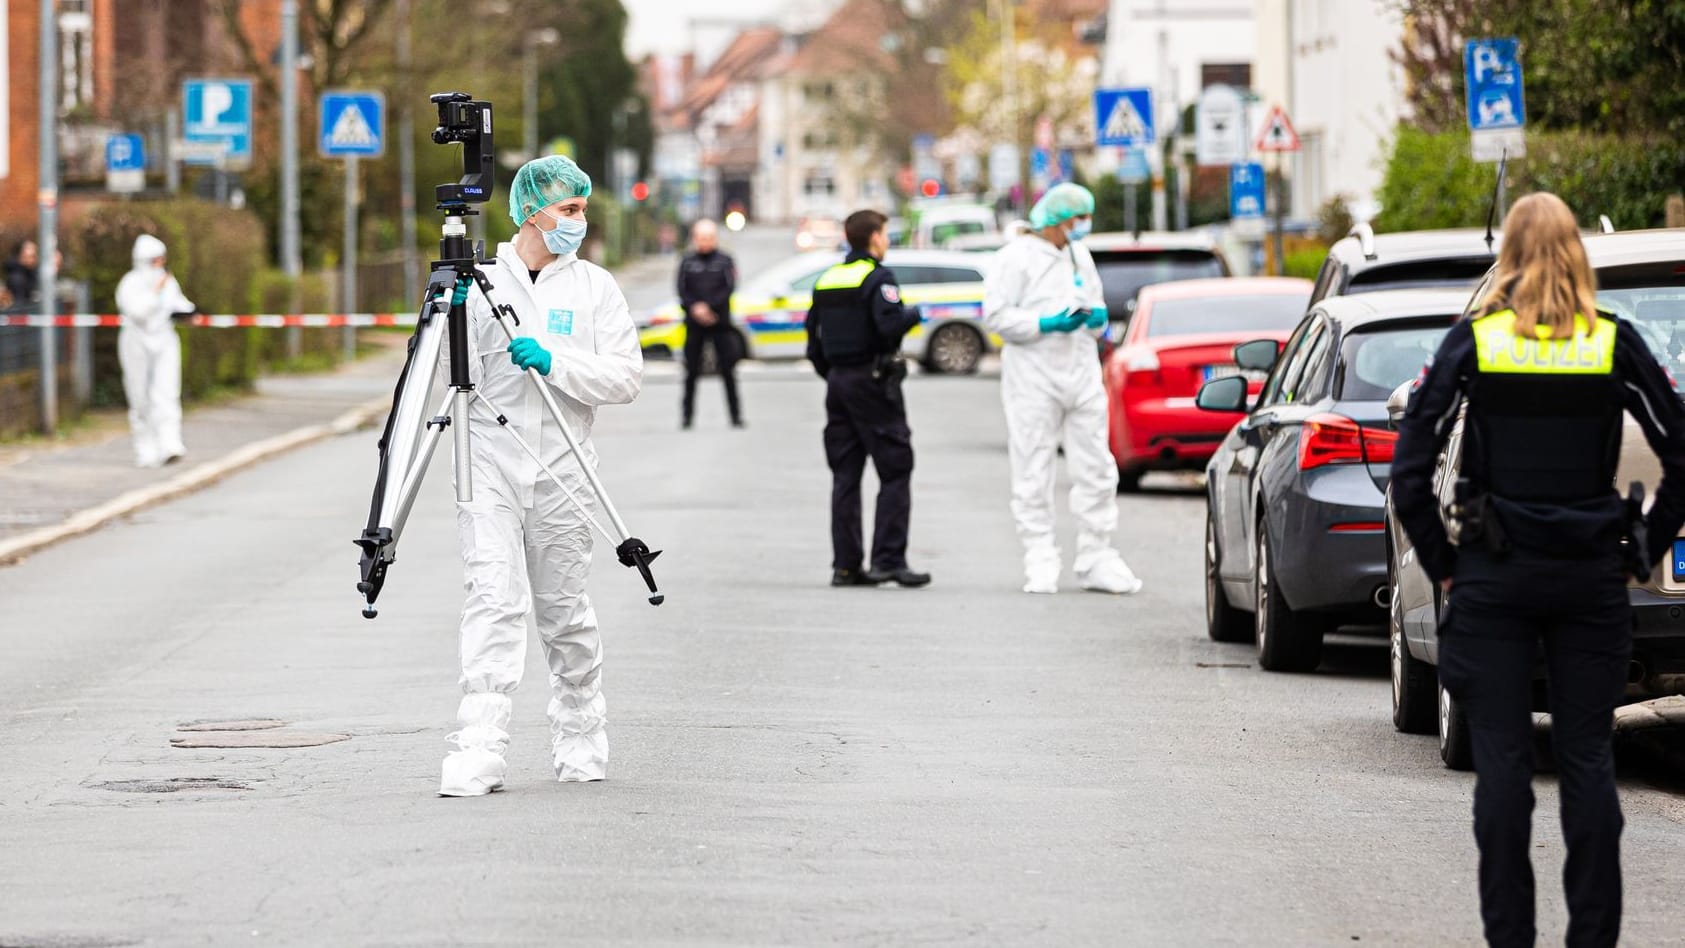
(1601, 65)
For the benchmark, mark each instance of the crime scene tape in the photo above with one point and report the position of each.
(220, 321)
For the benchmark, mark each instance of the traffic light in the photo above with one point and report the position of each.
(640, 191)
(930, 187)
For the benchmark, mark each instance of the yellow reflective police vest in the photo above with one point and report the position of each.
(846, 276)
(1500, 351)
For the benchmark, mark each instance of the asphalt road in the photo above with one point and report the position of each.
(792, 764)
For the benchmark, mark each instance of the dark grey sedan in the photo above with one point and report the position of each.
(1294, 536)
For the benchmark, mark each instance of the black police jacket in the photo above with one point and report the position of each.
(857, 315)
(1538, 523)
(707, 278)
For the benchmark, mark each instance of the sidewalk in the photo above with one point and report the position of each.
(51, 492)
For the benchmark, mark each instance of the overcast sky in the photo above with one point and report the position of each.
(664, 26)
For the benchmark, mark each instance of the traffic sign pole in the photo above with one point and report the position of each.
(348, 266)
(292, 258)
(46, 246)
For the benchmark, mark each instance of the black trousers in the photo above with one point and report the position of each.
(1503, 614)
(866, 417)
(723, 340)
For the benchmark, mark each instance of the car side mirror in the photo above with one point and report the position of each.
(1259, 355)
(1397, 402)
(1226, 394)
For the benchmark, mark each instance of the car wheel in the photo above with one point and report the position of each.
(1414, 682)
(1287, 641)
(954, 350)
(1129, 480)
(1454, 747)
(1223, 622)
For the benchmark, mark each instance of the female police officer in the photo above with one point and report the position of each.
(1546, 378)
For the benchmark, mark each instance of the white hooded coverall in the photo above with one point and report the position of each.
(150, 353)
(1052, 392)
(525, 548)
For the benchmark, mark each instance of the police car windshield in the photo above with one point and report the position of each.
(1658, 313)
(795, 274)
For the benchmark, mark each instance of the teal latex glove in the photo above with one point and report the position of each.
(460, 295)
(526, 353)
(1098, 317)
(1063, 321)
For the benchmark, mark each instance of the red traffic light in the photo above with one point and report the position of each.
(930, 187)
(640, 191)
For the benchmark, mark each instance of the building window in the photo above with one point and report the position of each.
(1238, 75)
(813, 141)
(820, 91)
(819, 184)
(76, 56)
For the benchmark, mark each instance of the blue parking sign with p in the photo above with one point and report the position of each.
(218, 112)
(1492, 68)
(125, 153)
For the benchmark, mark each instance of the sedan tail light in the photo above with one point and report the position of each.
(1336, 439)
(1142, 368)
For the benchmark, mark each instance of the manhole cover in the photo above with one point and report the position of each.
(258, 739)
(169, 785)
(253, 724)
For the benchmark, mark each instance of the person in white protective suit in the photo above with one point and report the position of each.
(1043, 298)
(150, 353)
(526, 550)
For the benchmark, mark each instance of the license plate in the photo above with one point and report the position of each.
(1221, 371)
(1679, 561)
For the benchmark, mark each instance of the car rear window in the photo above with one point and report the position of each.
(909, 275)
(1654, 302)
(1272, 312)
(1377, 359)
(1124, 272)
(1421, 274)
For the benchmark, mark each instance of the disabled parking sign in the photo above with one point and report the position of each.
(1497, 110)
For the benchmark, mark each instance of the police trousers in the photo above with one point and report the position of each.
(1504, 615)
(866, 416)
(723, 340)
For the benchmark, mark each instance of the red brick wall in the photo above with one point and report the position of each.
(17, 189)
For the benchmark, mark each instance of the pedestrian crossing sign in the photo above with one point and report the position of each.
(1123, 117)
(352, 125)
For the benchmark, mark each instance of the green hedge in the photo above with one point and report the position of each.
(1432, 181)
(219, 256)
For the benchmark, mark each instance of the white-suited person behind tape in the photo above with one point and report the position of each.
(1043, 297)
(525, 548)
(149, 351)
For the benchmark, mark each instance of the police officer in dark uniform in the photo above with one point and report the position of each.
(854, 332)
(1544, 548)
(707, 278)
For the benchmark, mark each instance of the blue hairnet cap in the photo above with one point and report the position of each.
(1061, 203)
(544, 181)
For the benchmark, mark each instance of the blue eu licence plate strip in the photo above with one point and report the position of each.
(1679, 561)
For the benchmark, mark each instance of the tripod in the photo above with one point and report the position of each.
(406, 445)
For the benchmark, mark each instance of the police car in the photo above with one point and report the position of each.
(1641, 279)
(769, 311)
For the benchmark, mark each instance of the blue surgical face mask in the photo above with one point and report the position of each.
(566, 236)
(1081, 227)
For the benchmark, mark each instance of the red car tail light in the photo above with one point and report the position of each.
(1336, 439)
(1142, 368)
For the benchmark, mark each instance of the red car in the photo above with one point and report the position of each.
(1182, 335)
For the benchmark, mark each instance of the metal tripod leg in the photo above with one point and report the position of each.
(630, 550)
(584, 511)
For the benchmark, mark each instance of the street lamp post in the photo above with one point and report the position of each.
(46, 246)
(292, 256)
(529, 71)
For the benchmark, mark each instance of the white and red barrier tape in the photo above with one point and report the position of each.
(265, 320)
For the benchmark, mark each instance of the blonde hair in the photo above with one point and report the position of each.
(1543, 274)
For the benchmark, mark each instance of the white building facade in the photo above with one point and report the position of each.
(1330, 64)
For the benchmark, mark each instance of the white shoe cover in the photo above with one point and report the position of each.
(578, 743)
(1108, 573)
(476, 767)
(1041, 571)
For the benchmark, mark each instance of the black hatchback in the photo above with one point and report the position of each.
(1295, 537)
